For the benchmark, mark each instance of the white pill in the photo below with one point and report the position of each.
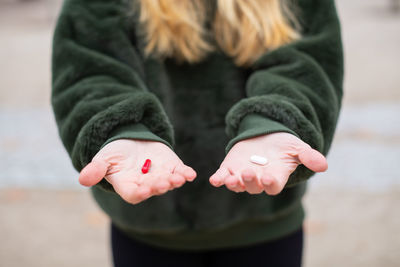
(258, 160)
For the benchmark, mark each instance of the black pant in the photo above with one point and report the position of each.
(285, 252)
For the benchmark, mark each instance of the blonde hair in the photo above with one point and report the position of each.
(243, 29)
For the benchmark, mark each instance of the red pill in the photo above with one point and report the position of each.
(146, 166)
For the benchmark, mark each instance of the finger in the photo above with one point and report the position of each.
(272, 186)
(131, 192)
(251, 182)
(233, 184)
(313, 160)
(185, 171)
(161, 187)
(266, 180)
(176, 180)
(157, 182)
(218, 178)
(274, 180)
(93, 172)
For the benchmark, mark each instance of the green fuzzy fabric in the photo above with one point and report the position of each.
(104, 88)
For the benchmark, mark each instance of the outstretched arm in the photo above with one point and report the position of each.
(98, 91)
(295, 89)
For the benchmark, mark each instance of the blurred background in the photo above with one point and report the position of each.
(353, 218)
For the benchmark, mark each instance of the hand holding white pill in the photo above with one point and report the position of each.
(264, 163)
(121, 163)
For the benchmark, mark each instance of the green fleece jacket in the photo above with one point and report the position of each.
(104, 88)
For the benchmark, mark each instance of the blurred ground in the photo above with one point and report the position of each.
(48, 220)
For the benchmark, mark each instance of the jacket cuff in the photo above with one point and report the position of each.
(136, 131)
(253, 125)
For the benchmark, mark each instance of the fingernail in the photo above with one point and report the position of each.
(266, 182)
(213, 182)
(248, 178)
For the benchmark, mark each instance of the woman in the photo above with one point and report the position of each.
(199, 88)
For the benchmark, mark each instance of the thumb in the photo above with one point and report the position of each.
(93, 172)
(313, 160)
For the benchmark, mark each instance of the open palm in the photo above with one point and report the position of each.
(120, 163)
(284, 152)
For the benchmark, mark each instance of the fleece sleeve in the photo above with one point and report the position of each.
(98, 89)
(296, 88)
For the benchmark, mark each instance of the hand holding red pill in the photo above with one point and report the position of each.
(120, 163)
